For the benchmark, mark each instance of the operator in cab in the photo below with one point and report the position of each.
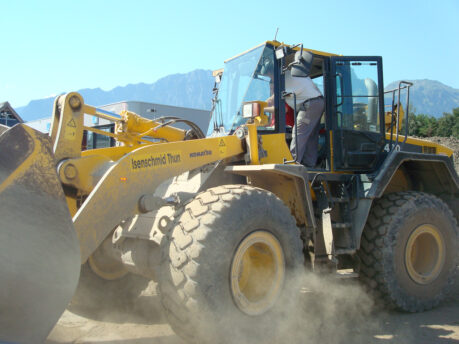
(310, 105)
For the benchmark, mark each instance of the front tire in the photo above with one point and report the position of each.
(227, 264)
(409, 251)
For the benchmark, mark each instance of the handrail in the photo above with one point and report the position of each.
(396, 89)
(409, 84)
(396, 115)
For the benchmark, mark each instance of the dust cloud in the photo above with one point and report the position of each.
(105, 300)
(322, 309)
(327, 310)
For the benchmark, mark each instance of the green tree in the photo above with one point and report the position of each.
(427, 126)
(413, 124)
(446, 125)
(455, 130)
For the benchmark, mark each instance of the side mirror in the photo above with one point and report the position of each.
(301, 67)
(217, 74)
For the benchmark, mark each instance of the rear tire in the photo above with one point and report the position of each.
(409, 251)
(228, 264)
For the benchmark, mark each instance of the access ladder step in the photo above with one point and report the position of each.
(346, 273)
(341, 225)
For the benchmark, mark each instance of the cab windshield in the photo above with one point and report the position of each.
(245, 78)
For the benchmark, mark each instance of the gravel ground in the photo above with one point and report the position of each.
(337, 315)
(451, 143)
(142, 321)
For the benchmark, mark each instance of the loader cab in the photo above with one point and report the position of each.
(352, 127)
(352, 131)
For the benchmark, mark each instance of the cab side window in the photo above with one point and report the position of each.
(357, 95)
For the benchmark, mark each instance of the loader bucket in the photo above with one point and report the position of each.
(39, 249)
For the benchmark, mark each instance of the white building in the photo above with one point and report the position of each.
(147, 110)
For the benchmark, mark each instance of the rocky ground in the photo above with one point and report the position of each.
(450, 142)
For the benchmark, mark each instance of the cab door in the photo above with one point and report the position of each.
(357, 109)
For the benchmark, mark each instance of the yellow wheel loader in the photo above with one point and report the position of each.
(225, 222)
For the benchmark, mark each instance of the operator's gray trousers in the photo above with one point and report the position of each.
(308, 126)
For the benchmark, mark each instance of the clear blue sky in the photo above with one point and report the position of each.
(60, 46)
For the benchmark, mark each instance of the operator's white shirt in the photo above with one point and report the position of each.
(304, 89)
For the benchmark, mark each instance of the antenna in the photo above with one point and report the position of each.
(275, 36)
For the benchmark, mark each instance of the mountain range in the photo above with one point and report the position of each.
(194, 90)
(430, 97)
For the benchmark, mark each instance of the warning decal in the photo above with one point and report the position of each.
(222, 146)
(70, 130)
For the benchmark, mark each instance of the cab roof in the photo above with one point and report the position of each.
(278, 44)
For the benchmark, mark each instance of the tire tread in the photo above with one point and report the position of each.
(377, 238)
(179, 270)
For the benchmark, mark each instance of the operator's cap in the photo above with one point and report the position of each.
(302, 65)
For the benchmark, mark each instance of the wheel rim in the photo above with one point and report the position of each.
(257, 273)
(425, 254)
(103, 265)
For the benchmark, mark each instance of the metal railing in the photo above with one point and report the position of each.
(395, 115)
